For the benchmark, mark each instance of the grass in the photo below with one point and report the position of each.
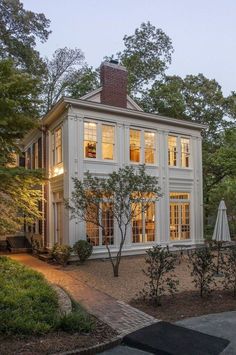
(29, 305)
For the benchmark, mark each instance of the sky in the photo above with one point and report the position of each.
(203, 33)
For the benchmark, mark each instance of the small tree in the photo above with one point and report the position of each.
(229, 269)
(202, 265)
(125, 194)
(160, 264)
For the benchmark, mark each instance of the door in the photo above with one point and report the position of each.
(179, 220)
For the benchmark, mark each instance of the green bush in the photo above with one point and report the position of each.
(61, 253)
(160, 266)
(76, 321)
(229, 269)
(201, 262)
(83, 249)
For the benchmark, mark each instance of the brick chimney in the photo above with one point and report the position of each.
(114, 84)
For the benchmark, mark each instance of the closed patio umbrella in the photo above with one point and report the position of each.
(221, 232)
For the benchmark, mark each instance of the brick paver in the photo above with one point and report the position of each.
(120, 316)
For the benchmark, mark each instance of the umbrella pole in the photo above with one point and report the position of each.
(219, 245)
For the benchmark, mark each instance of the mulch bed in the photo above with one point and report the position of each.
(188, 304)
(55, 342)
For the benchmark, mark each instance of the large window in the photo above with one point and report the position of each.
(108, 142)
(101, 236)
(99, 141)
(178, 144)
(179, 215)
(185, 152)
(90, 140)
(143, 224)
(142, 146)
(58, 146)
(172, 151)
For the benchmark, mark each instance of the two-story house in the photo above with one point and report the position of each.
(105, 130)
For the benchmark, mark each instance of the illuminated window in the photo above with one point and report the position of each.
(179, 216)
(172, 151)
(90, 140)
(135, 145)
(143, 224)
(58, 146)
(185, 152)
(149, 141)
(96, 235)
(107, 142)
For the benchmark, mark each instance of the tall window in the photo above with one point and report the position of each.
(172, 151)
(179, 216)
(28, 158)
(108, 142)
(185, 152)
(143, 224)
(101, 236)
(58, 146)
(149, 141)
(90, 140)
(135, 145)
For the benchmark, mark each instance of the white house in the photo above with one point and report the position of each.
(105, 130)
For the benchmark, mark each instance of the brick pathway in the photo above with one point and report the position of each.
(117, 314)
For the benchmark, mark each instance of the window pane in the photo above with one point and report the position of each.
(58, 144)
(172, 151)
(135, 145)
(92, 230)
(137, 224)
(90, 140)
(108, 142)
(149, 138)
(185, 152)
(150, 223)
(179, 216)
(108, 224)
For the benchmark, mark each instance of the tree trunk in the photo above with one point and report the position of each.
(116, 270)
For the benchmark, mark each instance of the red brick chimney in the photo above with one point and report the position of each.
(114, 84)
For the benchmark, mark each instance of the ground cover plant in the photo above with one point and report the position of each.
(29, 305)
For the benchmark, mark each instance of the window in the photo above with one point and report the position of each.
(135, 145)
(172, 151)
(28, 158)
(179, 216)
(143, 224)
(142, 146)
(107, 142)
(149, 141)
(184, 152)
(101, 236)
(36, 155)
(90, 140)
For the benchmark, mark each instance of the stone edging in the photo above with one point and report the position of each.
(95, 349)
(64, 301)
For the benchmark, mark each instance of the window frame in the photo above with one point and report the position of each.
(143, 221)
(179, 202)
(179, 151)
(143, 146)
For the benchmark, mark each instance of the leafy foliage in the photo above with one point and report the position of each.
(229, 269)
(78, 321)
(61, 253)
(160, 266)
(83, 249)
(120, 192)
(202, 265)
(19, 31)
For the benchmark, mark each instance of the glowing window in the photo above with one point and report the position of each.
(90, 140)
(143, 224)
(58, 146)
(179, 216)
(172, 151)
(108, 224)
(135, 145)
(185, 152)
(107, 142)
(149, 139)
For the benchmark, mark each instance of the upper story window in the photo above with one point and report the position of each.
(58, 145)
(178, 145)
(142, 146)
(99, 141)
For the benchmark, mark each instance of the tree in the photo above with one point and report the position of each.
(63, 72)
(124, 194)
(18, 112)
(19, 31)
(85, 80)
(146, 56)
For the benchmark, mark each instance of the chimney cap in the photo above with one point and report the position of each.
(114, 61)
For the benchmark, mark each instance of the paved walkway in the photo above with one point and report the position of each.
(117, 314)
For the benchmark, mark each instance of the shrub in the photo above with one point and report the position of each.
(83, 249)
(203, 268)
(160, 264)
(61, 253)
(76, 321)
(229, 270)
